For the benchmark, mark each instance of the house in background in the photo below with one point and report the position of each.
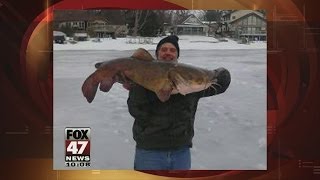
(75, 19)
(191, 26)
(84, 21)
(103, 29)
(245, 24)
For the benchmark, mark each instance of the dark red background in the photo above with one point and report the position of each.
(293, 86)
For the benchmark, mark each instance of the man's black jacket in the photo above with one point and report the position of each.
(168, 125)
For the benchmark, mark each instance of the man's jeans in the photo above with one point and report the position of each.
(179, 159)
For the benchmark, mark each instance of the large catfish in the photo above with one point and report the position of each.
(163, 78)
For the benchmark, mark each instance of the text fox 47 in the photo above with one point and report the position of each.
(77, 146)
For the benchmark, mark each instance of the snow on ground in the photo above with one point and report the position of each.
(185, 42)
(230, 128)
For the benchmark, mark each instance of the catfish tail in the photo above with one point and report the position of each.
(89, 88)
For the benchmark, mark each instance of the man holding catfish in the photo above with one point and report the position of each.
(163, 99)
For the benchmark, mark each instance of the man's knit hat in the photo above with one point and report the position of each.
(173, 39)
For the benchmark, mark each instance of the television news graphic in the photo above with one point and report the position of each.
(77, 141)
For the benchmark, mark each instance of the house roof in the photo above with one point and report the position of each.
(229, 13)
(185, 20)
(245, 16)
(58, 33)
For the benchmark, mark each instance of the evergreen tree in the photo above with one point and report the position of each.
(143, 22)
(212, 15)
(151, 26)
(68, 30)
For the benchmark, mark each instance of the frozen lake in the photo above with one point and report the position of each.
(230, 128)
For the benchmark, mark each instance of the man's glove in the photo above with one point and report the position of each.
(223, 78)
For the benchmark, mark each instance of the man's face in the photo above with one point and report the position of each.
(167, 52)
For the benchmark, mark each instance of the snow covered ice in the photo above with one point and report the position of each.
(230, 128)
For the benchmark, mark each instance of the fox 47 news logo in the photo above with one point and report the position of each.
(77, 141)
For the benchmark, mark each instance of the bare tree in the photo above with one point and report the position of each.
(183, 13)
(200, 14)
